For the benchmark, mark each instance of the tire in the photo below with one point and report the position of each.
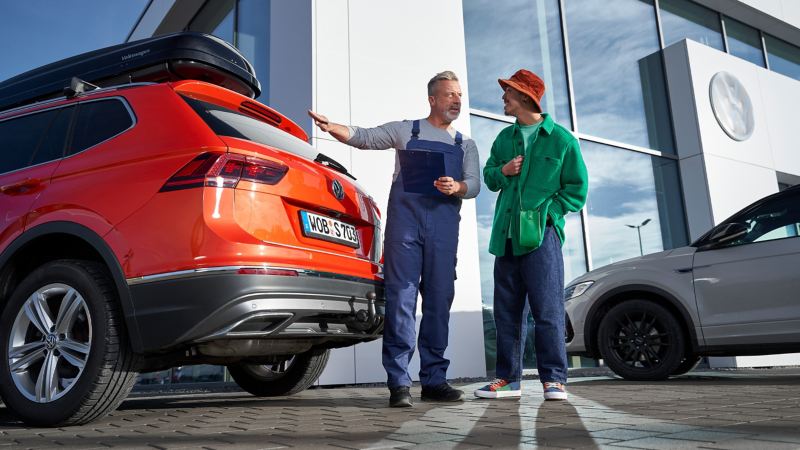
(642, 341)
(289, 377)
(64, 320)
(687, 364)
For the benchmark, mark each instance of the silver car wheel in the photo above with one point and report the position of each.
(49, 343)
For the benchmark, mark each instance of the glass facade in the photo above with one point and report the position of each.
(245, 24)
(783, 57)
(617, 70)
(744, 41)
(615, 78)
(630, 208)
(683, 19)
(505, 36)
(252, 38)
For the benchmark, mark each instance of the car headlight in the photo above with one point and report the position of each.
(576, 289)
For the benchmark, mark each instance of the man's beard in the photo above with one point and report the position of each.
(452, 115)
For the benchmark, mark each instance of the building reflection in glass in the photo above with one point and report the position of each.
(627, 187)
(744, 41)
(617, 72)
(502, 37)
(684, 19)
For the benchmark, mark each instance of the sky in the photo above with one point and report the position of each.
(37, 32)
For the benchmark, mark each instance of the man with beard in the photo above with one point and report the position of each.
(421, 235)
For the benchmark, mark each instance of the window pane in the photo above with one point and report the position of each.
(682, 19)
(776, 219)
(783, 57)
(484, 132)
(744, 41)
(502, 37)
(52, 146)
(618, 75)
(253, 39)
(19, 139)
(215, 18)
(634, 204)
(226, 122)
(98, 121)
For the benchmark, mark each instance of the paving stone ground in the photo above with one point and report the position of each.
(712, 410)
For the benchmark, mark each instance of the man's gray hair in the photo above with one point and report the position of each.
(446, 75)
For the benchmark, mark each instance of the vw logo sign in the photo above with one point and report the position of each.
(732, 107)
(338, 190)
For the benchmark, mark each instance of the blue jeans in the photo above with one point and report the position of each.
(539, 277)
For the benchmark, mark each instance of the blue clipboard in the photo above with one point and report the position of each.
(419, 169)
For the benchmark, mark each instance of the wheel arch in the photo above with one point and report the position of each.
(60, 240)
(640, 292)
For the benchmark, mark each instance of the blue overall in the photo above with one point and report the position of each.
(421, 241)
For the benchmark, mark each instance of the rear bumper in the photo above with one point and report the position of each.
(193, 307)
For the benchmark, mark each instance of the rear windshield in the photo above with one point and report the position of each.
(226, 122)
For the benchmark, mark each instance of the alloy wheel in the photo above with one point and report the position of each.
(49, 343)
(640, 340)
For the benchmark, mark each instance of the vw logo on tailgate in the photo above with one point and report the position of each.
(338, 189)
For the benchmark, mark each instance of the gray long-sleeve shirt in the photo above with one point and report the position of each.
(397, 134)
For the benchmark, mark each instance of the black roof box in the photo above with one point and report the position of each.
(176, 56)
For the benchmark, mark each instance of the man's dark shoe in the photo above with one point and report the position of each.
(400, 397)
(442, 393)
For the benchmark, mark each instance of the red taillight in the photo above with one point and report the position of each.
(225, 170)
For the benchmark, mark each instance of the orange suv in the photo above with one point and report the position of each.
(165, 218)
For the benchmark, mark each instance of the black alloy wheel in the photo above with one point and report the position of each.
(287, 377)
(641, 340)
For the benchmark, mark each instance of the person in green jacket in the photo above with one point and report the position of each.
(536, 165)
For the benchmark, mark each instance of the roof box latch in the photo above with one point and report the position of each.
(78, 86)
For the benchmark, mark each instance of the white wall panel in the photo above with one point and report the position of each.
(785, 10)
(734, 184)
(330, 53)
(340, 368)
(788, 359)
(372, 62)
(781, 97)
(705, 62)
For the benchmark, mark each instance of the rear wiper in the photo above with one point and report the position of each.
(333, 164)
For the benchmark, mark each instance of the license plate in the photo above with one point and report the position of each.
(328, 229)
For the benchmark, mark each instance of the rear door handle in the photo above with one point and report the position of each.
(28, 186)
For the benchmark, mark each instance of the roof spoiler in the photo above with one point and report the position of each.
(177, 56)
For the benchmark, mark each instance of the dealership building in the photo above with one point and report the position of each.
(685, 110)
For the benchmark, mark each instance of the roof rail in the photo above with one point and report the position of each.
(65, 96)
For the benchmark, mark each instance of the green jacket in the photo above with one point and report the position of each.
(553, 169)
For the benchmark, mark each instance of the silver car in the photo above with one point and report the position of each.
(735, 291)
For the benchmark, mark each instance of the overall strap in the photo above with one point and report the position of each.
(415, 130)
(459, 138)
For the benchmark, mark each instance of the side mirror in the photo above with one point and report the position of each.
(725, 234)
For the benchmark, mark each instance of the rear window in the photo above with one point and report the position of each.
(99, 121)
(226, 122)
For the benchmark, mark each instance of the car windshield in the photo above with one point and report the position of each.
(226, 122)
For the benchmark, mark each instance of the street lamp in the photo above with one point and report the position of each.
(639, 231)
